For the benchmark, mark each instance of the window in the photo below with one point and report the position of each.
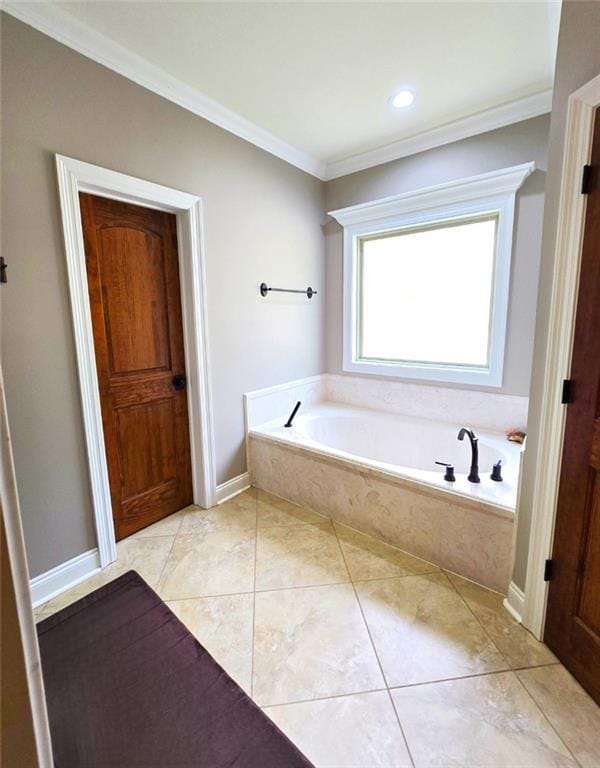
(425, 294)
(426, 281)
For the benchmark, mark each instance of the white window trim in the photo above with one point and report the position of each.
(489, 192)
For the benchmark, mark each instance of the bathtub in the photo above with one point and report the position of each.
(406, 447)
(376, 472)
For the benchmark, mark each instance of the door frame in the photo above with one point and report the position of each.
(15, 543)
(75, 176)
(561, 325)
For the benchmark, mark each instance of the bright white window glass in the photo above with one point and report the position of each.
(425, 295)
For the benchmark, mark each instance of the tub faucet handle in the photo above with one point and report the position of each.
(449, 474)
(497, 471)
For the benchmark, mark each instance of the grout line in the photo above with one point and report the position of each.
(393, 688)
(296, 524)
(546, 718)
(474, 615)
(185, 514)
(323, 698)
(385, 543)
(471, 581)
(334, 533)
(304, 586)
(493, 592)
(162, 570)
(461, 677)
(364, 618)
(319, 586)
(399, 576)
(145, 534)
(410, 755)
(134, 539)
(242, 529)
(203, 597)
(537, 666)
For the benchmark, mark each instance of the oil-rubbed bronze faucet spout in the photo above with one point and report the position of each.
(474, 471)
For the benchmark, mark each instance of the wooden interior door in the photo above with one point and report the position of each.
(573, 617)
(133, 279)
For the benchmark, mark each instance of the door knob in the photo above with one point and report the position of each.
(179, 382)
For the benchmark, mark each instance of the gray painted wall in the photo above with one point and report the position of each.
(578, 61)
(262, 222)
(515, 144)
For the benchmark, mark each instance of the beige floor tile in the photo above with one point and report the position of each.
(147, 556)
(423, 631)
(369, 558)
(479, 722)
(275, 511)
(574, 715)
(217, 563)
(519, 646)
(345, 732)
(298, 556)
(311, 643)
(248, 496)
(168, 526)
(75, 593)
(223, 625)
(237, 514)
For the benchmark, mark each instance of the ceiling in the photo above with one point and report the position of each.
(319, 75)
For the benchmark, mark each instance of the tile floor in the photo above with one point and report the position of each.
(365, 656)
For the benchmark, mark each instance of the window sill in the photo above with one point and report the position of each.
(482, 377)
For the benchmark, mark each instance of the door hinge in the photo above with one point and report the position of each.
(567, 391)
(586, 179)
(3, 265)
(547, 570)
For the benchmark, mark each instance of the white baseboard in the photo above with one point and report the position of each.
(514, 602)
(232, 487)
(57, 580)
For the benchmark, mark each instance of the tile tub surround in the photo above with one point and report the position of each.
(467, 407)
(321, 658)
(469, 538)
(275, 402)
(474, 408)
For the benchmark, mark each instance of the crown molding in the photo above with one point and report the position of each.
(69, 31)
(488, 120)
(61, 26)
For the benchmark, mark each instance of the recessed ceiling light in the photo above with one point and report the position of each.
(403, 99)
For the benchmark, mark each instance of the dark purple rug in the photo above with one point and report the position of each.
(128, 686)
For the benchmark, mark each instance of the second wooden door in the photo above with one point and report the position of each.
(573, 618)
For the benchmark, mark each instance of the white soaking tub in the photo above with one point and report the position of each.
(376, 472)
